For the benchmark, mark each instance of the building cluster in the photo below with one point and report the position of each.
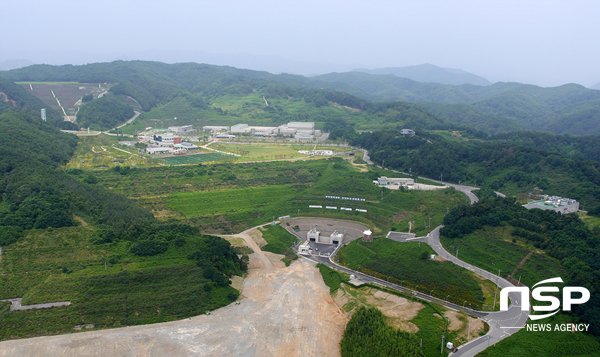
(301, 131)
(171, 142)
(555, 203)
(391, 181)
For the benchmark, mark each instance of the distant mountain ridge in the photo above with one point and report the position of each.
(14, 63)
(430, 73)
(596, 86)
(501, 107)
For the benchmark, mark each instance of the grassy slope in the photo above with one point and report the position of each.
(404, 262)
(492, 249)
(107, 285)
(261, 191)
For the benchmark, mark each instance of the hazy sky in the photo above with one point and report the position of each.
(541, 42)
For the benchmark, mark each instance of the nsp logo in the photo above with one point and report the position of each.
(567, 297)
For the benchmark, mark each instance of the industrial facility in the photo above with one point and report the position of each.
(315, 236)
(301, 131)
(391, 181)
(181, 129)
(555, 203)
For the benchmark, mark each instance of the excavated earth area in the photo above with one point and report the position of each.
(283, 312)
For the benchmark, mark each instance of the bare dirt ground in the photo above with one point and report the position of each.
(462, 325)
(353, 230)
(283, 312)
(398, 310)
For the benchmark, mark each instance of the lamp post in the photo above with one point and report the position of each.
(464, 303)
(447, 297)
(431, 293)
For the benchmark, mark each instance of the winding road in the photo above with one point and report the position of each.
(502, 323)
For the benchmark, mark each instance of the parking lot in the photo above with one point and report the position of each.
(352, 230)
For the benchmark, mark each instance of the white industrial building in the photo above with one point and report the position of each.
(215, 128)
(555, 203)
(181, 129)
(407, 132)
(254, 130)
(315, 236)
(385, 181)
(159, 150)
(306, 127)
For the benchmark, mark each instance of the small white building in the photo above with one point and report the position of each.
(304, 248)
(407, 132)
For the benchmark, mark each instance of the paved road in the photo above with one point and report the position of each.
(16, 304)
(502, 324)
(137, 114)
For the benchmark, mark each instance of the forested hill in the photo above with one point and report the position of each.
(192, 90)
(568, 109)
(503, 165)
(14, 97)
(431, 74)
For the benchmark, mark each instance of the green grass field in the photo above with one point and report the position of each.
(226, 198)
(195, 159)
(266, 151)
(408, 263)
(232, 200)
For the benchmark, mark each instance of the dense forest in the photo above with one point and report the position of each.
(500, 164)
(105, 113)
(563, 237)
(367, 334)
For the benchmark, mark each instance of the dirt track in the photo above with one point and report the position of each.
(283, 312)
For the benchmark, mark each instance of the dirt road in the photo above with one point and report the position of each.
(283, 312)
